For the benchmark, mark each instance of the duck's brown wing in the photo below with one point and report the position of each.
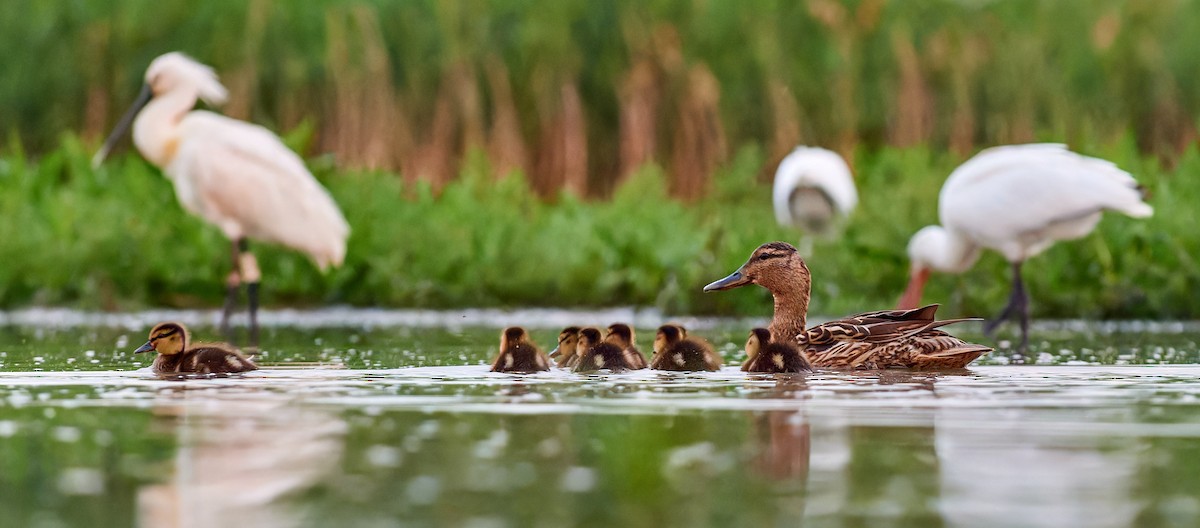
(521, 358)
(634, 358)
(778, 358)
(689, 355)
(603, 356)
(888, 339)
(924, 313)
(215, 360)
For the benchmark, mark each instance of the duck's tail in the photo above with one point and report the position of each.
(952, 358)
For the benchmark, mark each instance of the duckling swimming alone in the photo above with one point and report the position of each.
(564, 354)
(764, 354)
(596, 353)
(171, 341)
(621, 334)
(872, 340)
(518, 353)
(674, 350)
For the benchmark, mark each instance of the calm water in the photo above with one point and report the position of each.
(367, 424)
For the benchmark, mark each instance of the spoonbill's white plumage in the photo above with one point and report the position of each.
(813, 189)
(237, 176)
(1017, 200)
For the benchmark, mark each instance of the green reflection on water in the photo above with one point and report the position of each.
(359, 446)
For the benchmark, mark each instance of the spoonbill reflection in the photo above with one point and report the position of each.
(235, 175)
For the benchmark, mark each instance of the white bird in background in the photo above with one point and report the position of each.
(814, 189)
(1017, 200)
(235, 175)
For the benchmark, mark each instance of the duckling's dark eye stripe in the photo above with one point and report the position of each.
(166, 334)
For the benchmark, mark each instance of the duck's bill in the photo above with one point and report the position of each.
(734, 280)
(556, 352)
(122, 126)
(144, 348)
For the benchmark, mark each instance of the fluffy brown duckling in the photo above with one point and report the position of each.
(621, 334)
(674, 350)
(596, 353)
(764, 354)
(564, 354)
(178, 355)
(872, 340)
(518, 353)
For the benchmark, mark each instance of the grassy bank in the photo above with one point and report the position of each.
(116, 239)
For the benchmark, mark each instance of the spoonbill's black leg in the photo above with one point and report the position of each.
(1018, 305)
(233, 283)
(252, 300)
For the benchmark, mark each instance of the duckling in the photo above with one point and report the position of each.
(518, 353)
(873, 340)
(674, 350)
(621, 334)
(596, 353)
(175, 356)
(764, 354)
(564, 354)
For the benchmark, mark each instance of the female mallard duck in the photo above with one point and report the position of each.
(621, 334)
(674, 350)
(564, 354)
(873, 340)
(175, 356)
(596, 353)
(518, 353)
(764, 354)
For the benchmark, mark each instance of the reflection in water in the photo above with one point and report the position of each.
(457, 446)
(783, 438)
(997, 470)
(240, 457)
(785, 443)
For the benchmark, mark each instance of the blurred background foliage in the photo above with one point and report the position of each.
(579, 95)
(589, 153)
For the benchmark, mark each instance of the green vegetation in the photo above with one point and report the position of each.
(581, 94)
(116, 239)
(521, 152)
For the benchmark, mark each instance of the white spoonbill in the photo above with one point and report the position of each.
(813, 190)
(1017, 200)
(235, 175)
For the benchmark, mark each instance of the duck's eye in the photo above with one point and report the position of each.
(764, 257)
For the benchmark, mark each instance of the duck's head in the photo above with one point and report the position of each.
(668, 335)
(512, 336)
(567, 339)
(166, 339)
(776, 266)
(588, 338)
(758, 338)
(620, 334)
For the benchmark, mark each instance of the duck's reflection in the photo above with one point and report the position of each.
(785, 444)
(783, 438)
(241, 456)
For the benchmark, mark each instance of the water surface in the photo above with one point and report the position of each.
(368, 424)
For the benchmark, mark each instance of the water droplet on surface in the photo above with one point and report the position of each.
(423, 489)
(66, 434)
(81, 481)
(384, 456)
(578, 479)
